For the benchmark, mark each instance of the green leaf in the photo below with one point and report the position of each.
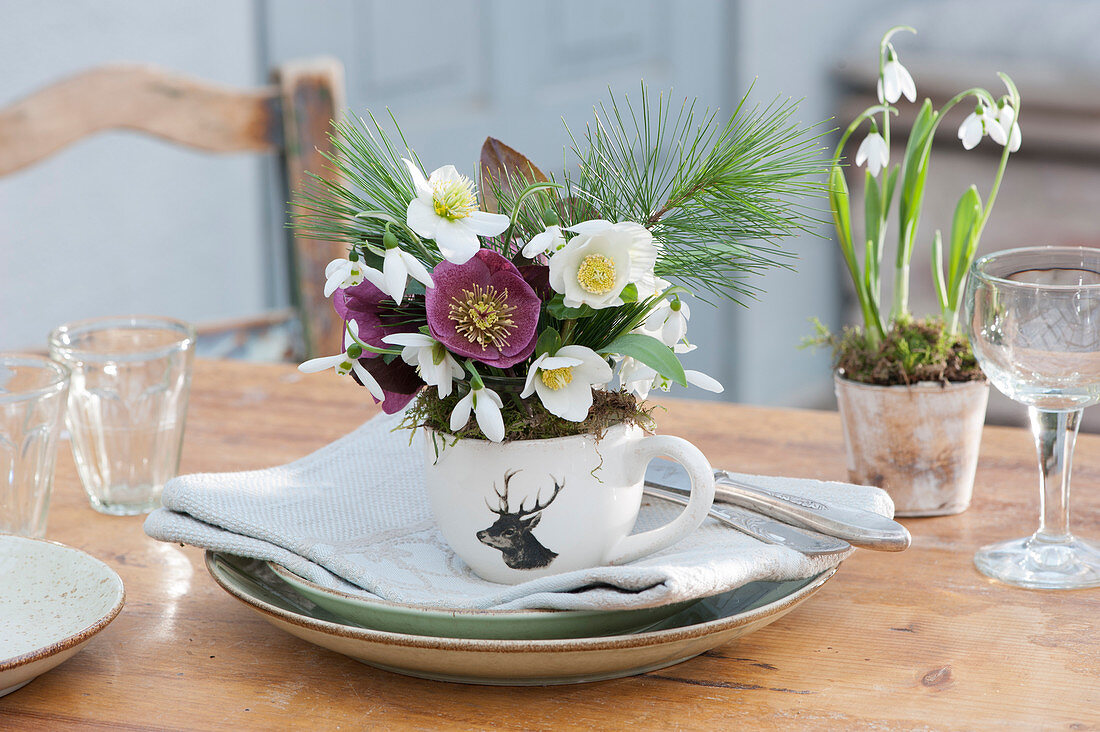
(915, 173)
(549, 342)
(556, 307)
(649, 351)
(891, 182)
(839, 202)
(968, 212)
(629, 293)
(872, 208)
(937, 271)
(870, 272)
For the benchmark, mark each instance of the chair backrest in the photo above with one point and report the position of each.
(291, 117)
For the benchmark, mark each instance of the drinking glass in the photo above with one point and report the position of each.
(1034, 320)
(32, 403)
(127, 405)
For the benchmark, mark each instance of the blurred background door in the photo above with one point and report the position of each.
(125, 224)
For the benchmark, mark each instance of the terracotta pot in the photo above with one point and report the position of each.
(919, 442)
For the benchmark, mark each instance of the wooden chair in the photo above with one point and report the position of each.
(290, 117)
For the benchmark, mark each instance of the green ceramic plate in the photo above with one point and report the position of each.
(706, 624)
(503, 624)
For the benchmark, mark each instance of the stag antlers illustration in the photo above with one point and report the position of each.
(511, 532)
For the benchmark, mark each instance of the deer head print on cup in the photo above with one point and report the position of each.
(515, 511)
(511, 532)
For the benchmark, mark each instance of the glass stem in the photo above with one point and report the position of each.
(1055, 435)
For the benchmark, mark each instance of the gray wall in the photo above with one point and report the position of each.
(122, 223)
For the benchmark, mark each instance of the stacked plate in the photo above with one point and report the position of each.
(53, 600)
(521, 647)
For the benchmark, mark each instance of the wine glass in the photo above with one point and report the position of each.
(1034, 320)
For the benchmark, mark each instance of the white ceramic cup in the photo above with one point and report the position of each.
(519, 510)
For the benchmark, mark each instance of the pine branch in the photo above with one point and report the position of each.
(372, 179)
(719, 197)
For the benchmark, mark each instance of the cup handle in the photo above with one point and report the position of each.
(636, 546)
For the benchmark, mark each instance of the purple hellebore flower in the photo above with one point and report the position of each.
(375, 312)
(483, 309)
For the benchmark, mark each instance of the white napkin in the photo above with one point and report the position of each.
(354, 516)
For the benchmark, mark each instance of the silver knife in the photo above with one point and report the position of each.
(765, 529)
(860, 528)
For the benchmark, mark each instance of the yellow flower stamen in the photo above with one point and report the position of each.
(596, 274)
(454, 199)
(483, 316)
(557, 378)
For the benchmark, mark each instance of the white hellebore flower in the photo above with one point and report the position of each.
(1006, 116)
(874, 152)
(397, 267)
(982, 121)
(564, 381)
(895, 81)
(431, 358)
(340, 273)
(346, 363)
(445, 210)
(485, 404)
(595, 266)
(668, 322)
(551, 239)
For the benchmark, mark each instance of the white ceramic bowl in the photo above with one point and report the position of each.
(53, 599)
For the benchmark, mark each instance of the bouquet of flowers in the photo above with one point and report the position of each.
(543, 308)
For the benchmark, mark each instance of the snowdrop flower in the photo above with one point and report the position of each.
(397, 267)
(445, 209)
(668, 322)
(485, 404)
(436, 366)
(874, 152)
(341, 273)
(1006, 116)
(564, 381)
(639, 379)
(982, 121)
(594, 266)
(635, 377)
(895, 81)
(551, 239)
(346, 363)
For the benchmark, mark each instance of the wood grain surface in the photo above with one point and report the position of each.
(917, 640)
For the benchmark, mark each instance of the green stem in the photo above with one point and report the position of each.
(567, 327)
(907, 233)
(951, 316)
(533, 188)
(367, 346)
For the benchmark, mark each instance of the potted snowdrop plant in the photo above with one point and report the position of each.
(520, 324)
(911, 395)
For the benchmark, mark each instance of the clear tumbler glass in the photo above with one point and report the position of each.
(127, 405)
(32, 403)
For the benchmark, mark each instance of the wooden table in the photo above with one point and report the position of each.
(894, 641)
